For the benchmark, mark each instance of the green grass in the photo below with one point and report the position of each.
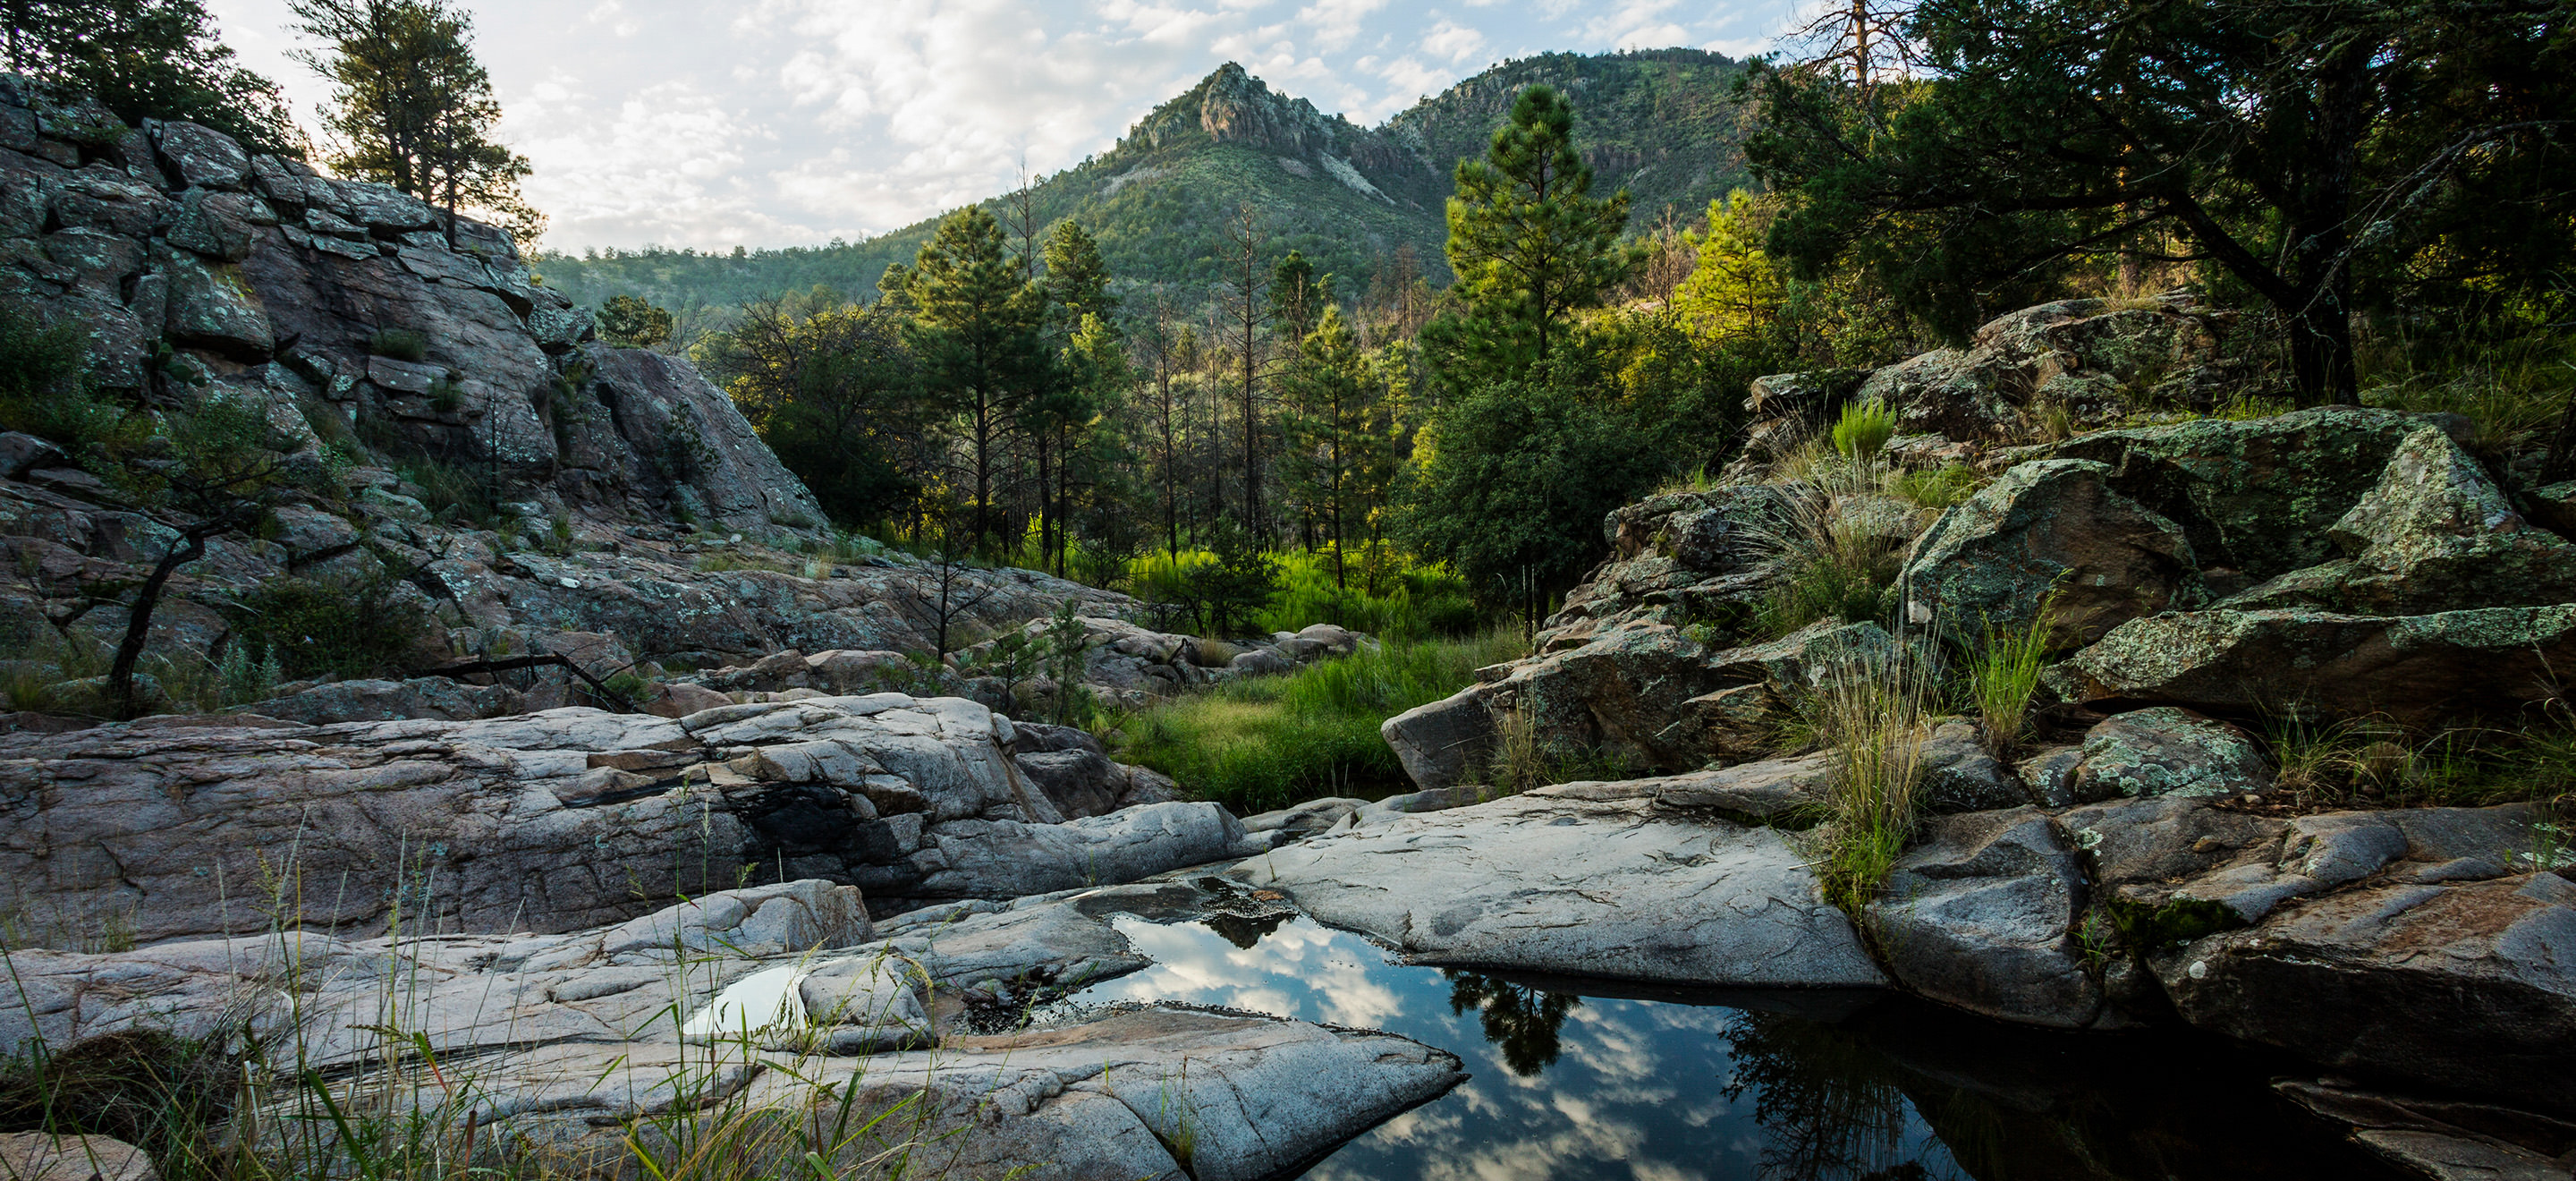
(1267, 742)
(2369, 762)
(2003, 676)
(1864, 429)
(1379, 592)
(1873, 714)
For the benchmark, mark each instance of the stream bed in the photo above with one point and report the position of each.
(1587, 1079)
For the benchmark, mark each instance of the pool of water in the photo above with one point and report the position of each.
(1577, 1079)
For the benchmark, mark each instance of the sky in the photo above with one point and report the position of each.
(793, 122)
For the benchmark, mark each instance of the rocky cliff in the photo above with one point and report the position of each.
(528, 488)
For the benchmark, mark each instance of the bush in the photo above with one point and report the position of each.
(350, 629)
(401, 344)
(45, 391)
(454, 494)
(1383, 593)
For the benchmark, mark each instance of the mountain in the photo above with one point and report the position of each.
(1659, 122)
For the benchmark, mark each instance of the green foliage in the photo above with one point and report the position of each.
(1233, 588)
(2368, 762)
(46, 391)
(1940, 487)
(1379, 592)
(349, 628)
(631, 323)
(401, 344)
(412, 108)
(2174, 922)
(1529, 242)
(2007, 160)
(148, 59)
(1873, 714)
(1515, 483)
(1266, 742)
(2003, 676)
(1067, 643)
(980, 341)
(1863, 429)
(1837, 552)
(835, 391)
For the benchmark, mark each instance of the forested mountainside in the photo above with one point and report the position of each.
(1659, 123)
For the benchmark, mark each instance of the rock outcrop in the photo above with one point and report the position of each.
(552, 821)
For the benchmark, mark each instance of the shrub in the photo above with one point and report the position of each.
(1835, 553)
(350, 629)
(453, 493)
(1864, 429)
(45, 390)
(401, 344)
(1940, 488)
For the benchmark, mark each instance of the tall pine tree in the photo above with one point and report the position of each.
(1529, 242)
(979, 335)
(412, 108)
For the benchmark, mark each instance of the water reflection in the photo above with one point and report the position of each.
(1520, 1018)
(1578, 1080)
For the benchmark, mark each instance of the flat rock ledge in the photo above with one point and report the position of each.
(740, 1023)
(1619, 888)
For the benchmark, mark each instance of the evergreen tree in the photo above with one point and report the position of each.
(1077, 281)
(412, 108)
(979, 336)
(147, 59)
(836, 394)
(1298, 296)
(1335, 439)
(1529, 242)
(2320, 156)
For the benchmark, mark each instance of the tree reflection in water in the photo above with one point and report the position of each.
(1244, 932)
(1521, 1019)
(1830, 1104)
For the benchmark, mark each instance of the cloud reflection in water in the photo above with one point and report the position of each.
(1563, 1087)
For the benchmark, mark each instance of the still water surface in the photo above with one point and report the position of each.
(1577, 1080)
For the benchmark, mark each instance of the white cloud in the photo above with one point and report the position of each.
(784, 122)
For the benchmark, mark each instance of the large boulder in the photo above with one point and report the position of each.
(1985, 914)
(1553, 882)
(2097, 359)
(2434, 535)
(2470, 986)
(2256, 498)
(2413, 668)
(2053, 532)
(2167, 751)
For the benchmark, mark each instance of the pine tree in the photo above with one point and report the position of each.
(979, 338)
(147, 59)
(1077, 281)
(412, 108)
(1528, 241)
(1332, 405)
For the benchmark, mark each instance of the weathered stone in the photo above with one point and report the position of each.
(2414, 668)
(2434, 535)
(1984, 915)
(2095, 359)
(664, 407)
(1783, 793)
(2168, 751)
(1551, 884)
(435, 698)
(2256, 498)
(202, 156)
(215, 307)
(1444, 742)
(44, 1156)
(2470, 986)
(2052, 532)
(2445, 1139)
(1959, 775)
(167, 843)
